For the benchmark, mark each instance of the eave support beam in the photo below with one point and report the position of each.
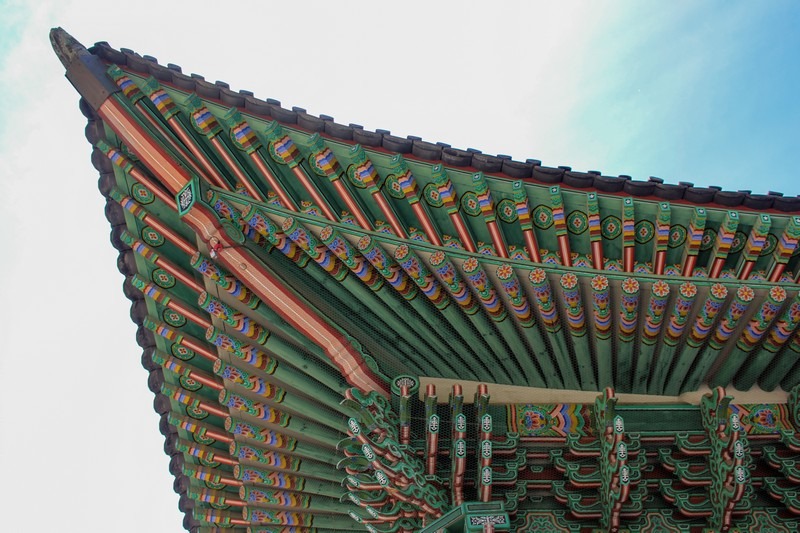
(175, 178)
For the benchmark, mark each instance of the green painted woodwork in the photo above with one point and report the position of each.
(781, 370)
(471, 517)
(701, 330)
(392, 302)
(725, 235)
(714, 477)
(757, 238)
(751, 335)
(627, 216)
(626, 333)
(392, 272)
(787, 242)
(662, 226)
(385, 479)
(283, 351)
(274, 433)
(650, 331)
(728, 460)
(615, 472)
(725, 328)
(780, 332)
(547, 308)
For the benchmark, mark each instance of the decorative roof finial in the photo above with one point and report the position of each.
(66, 47)
(85, 71)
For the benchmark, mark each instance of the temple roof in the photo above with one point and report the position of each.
(288, 274)
(469, 158)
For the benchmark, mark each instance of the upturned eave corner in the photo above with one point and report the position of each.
(84, 70)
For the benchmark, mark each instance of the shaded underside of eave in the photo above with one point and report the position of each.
(296, 453)
(317, 288)
(310, 222)
(309, 284)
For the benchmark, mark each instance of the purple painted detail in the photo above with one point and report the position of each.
(390, 270)
(278, 498)
(267, 477)
(164, 103)
(449, 276)
(659, 294)
(409, 186)
(251, 382)
(247, 353)
(206, 123)
(286, 151)
(316, 250)
(326, 161)
(264, 457)
(544, 299)
(414, 267)
(784, 327)
(486, 293)
(573, 305)
(357, 263)
(628, 315)
(601, 307)
(760, 322)
(238, 321)
(680, 312)
(744, 295)
(244, 137)
(706, 315)
(519, 302)
(253, 408)
(270, 231)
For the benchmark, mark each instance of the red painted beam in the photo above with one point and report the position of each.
(295, 311)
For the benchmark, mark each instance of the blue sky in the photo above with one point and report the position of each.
(705, 92)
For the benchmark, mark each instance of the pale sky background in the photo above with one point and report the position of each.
(687, 91)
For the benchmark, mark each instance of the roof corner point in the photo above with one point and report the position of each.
(84, 70)
(66, 47)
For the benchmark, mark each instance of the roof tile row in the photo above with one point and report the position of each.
(416, 147)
